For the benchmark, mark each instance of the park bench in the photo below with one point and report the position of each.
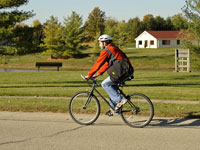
(48, 64)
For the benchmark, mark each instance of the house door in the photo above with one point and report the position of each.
(145, 43)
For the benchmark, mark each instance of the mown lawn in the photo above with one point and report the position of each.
(156, 84)
(142, 59)
(154, 76)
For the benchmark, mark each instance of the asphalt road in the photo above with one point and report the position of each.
(55, 131)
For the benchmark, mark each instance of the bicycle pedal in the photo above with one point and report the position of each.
(109, 113)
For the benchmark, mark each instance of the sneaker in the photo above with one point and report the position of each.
(119, 105)
(109, 113)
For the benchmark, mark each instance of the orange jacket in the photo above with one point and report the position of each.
(102, 62)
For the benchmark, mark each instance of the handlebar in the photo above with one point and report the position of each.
(93, 79)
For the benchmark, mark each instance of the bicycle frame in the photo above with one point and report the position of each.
(94, 85)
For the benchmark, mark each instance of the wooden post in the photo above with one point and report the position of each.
(176, 59)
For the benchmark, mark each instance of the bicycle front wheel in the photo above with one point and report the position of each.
(84, 109)
(138, 111)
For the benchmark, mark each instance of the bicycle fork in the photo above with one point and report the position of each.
(89, 98)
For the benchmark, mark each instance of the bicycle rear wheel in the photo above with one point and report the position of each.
(83, 109)
(138, 111)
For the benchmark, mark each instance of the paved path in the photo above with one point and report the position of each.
(55, 131)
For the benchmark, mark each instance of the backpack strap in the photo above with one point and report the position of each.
(112, 56)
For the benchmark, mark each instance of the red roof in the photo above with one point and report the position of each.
(164, 34)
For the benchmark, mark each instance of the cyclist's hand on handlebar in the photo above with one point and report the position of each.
(95, 76)
(87, 77)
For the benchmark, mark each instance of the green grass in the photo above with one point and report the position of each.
(61, 105)
(154, 77)
(164, 85)
(33, 105)
(142, 59)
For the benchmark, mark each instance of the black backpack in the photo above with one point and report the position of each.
(120, 71)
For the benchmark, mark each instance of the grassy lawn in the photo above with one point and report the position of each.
(61, 105)
(142, 59)
(155, 84)
(154, 77)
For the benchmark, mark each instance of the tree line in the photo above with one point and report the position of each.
(66, 39)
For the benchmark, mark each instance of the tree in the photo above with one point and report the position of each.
(122, 32)
(111, 28)
(73, 35)
(179, 22)
(134, 28)
(94, 27)
(95, 23)
(168, 24)
(37, 35)
(148, 22)
(28, 39)
(8, 22)
(53, 42)
(119, 31)
(192, 12)
(160, 23)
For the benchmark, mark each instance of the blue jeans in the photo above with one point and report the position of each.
(113, 93)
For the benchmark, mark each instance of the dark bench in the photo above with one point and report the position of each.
(48, 64)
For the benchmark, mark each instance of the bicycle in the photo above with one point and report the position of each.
(84, 107)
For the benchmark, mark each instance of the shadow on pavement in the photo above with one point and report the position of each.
(176, 122)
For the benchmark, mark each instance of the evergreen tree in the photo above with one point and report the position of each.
(37, 35)
(52, 41)
(95, 23)
(73, 35)
(8, 22)
(94, 27)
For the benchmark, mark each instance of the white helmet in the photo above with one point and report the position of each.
(104, 38)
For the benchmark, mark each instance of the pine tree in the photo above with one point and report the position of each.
(8, 22)
(53, 42)
(73, 35)
(95, 23)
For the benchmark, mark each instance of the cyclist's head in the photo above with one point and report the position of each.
(105, 38)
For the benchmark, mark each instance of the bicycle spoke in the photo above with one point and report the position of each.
(84, 110)
(138, 112)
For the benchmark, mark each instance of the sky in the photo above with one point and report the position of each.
(116, 9)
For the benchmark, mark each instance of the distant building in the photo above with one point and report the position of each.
(158, 39)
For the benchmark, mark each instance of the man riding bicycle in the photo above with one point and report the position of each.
(102, 64)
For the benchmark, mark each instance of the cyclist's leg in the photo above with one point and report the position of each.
(113, 93)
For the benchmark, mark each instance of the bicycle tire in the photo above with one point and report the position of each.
(84, 115)
(138, 111)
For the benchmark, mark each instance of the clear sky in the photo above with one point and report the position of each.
(117, 9)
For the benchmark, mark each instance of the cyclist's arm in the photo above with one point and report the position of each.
(99, 63)
(103, 68)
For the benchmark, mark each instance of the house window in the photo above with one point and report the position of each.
(178, 42)
(140, 42)
(165, 42)
(151, 42)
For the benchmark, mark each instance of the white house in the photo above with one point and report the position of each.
(158, 39)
